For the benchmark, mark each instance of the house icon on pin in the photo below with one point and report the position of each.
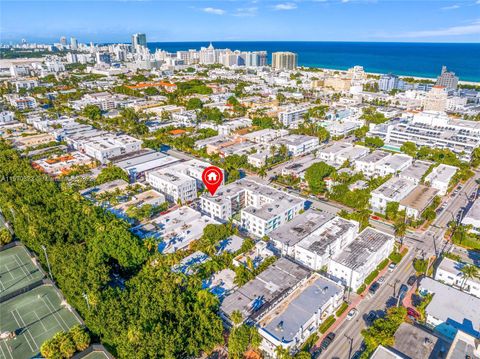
(212, 177)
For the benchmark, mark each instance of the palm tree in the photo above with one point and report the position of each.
(262, 172)
(400, 229)
(469, 271)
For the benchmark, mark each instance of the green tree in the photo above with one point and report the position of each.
(111, 173)
(92, 112)
(409, 148)
(241, 339)
(469, 271)
(374, 142)
(5, 236)
(80, 337)
(315, 175)
(194, 103)
(391, 211)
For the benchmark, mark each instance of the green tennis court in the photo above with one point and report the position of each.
(17, 270)
(34, 316)
(96, 355)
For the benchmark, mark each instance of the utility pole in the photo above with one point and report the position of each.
(48, 262)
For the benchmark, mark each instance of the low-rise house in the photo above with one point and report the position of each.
(394, 190)
(417, 201)
(189, 265)
(266, 136)
(450, 272)
(174, 185)
(294, 318)
(231, 244)
(64, 164)
(361, 257)
(149, 197)
(440, 178)
(228, 127)
(34, 140)
(416, 342)
(296, 168)
(392, 164)
(464, 346)
(450, 309)
(316, 249)
(287, 236)
(221, 283)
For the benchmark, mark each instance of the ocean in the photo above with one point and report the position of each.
(413, 59)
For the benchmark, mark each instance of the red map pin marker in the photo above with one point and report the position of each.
(212, 178)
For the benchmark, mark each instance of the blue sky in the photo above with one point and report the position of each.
(229, 20)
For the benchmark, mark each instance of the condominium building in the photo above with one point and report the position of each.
(262, 208)
(417, 201)
(316, 250)
(447, 79)
(284, 60)
(368, 164)
(294, 318)
(299, 145)
(436, 99)
(361, 257)
(292, 116)
(174, 185)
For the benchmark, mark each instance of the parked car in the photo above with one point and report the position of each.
(316, 353)
(391, 302)
(371, 317)
(413, 313)
(412, 279)
(356, 355)
(374, 287)
(391, 267)
(403, 289)
(381, 279)
(352, 313)
(325, 343)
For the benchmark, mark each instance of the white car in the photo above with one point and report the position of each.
(391, 267)
(352, 313)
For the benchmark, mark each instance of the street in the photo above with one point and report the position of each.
(348, 338)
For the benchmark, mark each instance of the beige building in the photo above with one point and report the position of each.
(284, 60)
(436, 99)
(338, 83)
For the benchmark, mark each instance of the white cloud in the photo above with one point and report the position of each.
(451, 7)
(212, 10)
(246, 11)
(285, 6)
(470, 29)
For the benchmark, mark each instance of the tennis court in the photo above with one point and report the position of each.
(17, 270)
(34, 316)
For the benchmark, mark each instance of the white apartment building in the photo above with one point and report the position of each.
(228, 127)
(291, 321)
(174, 185)
(299, 145)
(108, 146)
(361, 257)
(23, 103)
(436, 99)
(394, 190)
(450, 272)
(368, 164)
(316, 250)
(392, 164)
(292, 116)
(25, 84)
(339, 152)
(431, 129)
(6, 117)
(262, 208)
(265, 136)
(415, 172)
(193, 168)
(440, 178)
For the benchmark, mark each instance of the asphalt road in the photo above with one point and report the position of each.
(348, 337)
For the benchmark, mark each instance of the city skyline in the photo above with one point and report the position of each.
(320, 20)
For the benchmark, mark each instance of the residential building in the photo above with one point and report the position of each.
(445, 318)
(316, 249)
(174, 185)
(447, 79)
(175, 230)
(137, 164)
(299, 145)
(415, 172)
(265, 136)
(391, 165)
(193, 168)
(254, 257)
(6, 117)
(290, 322)
(138, 40)
(287, 236)
(361, 257)
(436, 99)
(368, 164)
(23, 103)
(189, 265)
(440, 178)
(417, 201)
(292, 116)
(389, 82)
(104, 148)
(259, 295)
(472, 217)
(386, 353)
(262, 208)
(450, 272)
(62, 165)
(431, 129)
(416, 342)
(284, 60)
(394, 190)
